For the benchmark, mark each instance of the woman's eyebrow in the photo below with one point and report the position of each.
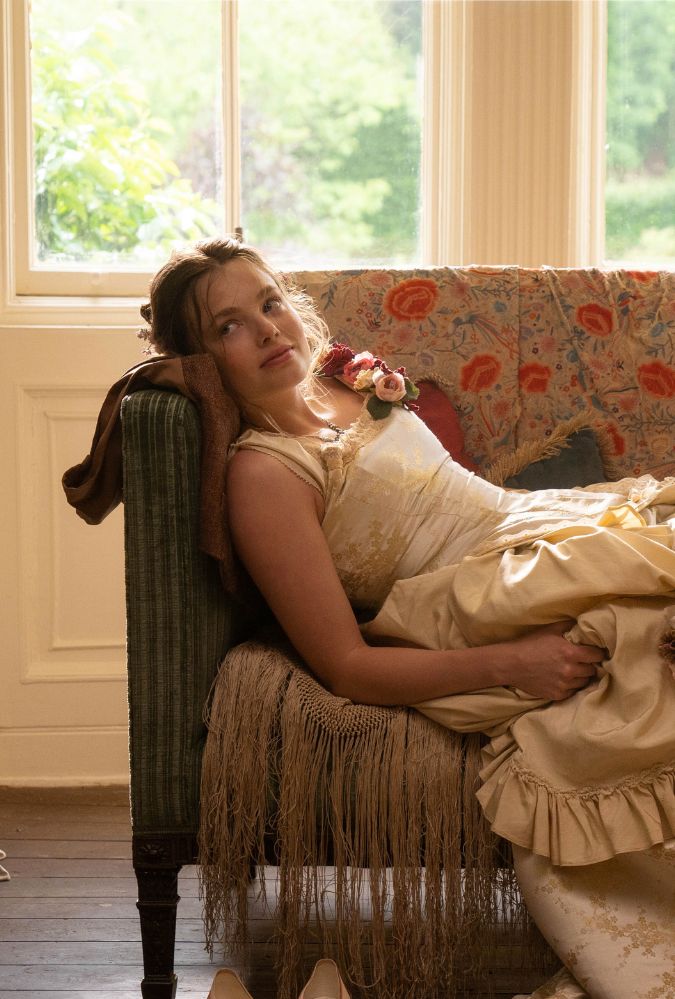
(263, 293)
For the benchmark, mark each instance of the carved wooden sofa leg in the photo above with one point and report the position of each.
(156, 865)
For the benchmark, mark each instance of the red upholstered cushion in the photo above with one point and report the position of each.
(440, 416)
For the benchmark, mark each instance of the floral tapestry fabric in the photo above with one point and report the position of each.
(605, 341)
(456, 326)
(519, 351)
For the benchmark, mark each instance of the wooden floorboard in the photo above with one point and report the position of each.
(69, 927)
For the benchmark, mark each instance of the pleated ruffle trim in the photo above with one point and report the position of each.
(582, 826)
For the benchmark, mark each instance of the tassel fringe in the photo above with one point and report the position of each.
(385, 860)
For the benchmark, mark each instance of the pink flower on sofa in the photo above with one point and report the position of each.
(411, 299)
(481, 372)
(658, 379)
(595, 319)
(389, 387)
(361, 362)
(534, 377)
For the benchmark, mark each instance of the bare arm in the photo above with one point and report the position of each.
(274, 518)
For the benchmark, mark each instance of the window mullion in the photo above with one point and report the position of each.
(231, 150)
(18, 148)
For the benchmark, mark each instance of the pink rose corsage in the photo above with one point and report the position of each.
(370, 375)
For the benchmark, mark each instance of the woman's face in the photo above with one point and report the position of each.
(256, 337)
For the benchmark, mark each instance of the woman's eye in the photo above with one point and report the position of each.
(227, 328)
(272, 303)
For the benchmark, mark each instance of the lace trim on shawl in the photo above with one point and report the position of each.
(585, 825)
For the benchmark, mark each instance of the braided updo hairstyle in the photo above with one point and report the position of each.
(173, 312)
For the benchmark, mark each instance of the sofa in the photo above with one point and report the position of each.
(519, 354)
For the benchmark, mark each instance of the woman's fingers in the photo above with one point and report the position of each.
(580, 681)
(558, 627)
(589, 653)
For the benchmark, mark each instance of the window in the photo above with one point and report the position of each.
(125, 129)
(336, 132)
(129, 145)
(640, 185)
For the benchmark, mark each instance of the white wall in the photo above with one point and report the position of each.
(63, 696)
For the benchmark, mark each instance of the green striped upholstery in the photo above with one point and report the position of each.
(179, 620)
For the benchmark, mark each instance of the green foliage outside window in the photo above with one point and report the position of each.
(104, 184)
(640, 191)
(125, 166)
(331, 128)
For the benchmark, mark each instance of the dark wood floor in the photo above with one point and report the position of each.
(68, 921)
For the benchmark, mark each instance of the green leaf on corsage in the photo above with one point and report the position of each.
(377, 408)
(411, 389)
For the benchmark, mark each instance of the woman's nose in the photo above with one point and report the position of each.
(266, 330)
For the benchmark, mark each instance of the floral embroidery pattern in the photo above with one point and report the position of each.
(658, 379)
(595, 319)
(480, 373)
(560, 342)
(411, 299)
(534, 377)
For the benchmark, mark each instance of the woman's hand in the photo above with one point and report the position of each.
(549, 666)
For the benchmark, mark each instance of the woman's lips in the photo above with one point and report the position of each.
(278, 358)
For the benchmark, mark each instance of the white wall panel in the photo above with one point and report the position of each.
(72, 579)
(63, 712)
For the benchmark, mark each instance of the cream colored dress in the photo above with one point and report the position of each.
(448, 560)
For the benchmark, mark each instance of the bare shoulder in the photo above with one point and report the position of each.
(247, 467)
(257, 482)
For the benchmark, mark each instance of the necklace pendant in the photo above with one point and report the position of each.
(329, 433)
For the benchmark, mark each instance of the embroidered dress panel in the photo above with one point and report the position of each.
(397, 506)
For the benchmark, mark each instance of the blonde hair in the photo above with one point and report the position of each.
(173, 312)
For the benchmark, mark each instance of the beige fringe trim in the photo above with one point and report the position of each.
(365, 796)
(537, 450)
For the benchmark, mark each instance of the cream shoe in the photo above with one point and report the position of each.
(325, 982)
(228, 985)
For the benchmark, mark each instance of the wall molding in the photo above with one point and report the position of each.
(69, 757)
(56, 572)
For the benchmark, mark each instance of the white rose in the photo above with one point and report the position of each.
(389, 387)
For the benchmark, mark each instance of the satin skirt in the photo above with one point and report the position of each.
(611, 924)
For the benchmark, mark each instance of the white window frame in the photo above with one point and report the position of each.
(28, 281)
(487, 196)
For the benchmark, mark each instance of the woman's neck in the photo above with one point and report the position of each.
(289, 412)
(331, 404)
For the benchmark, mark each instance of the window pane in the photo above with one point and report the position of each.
(126, 128)
(331, 122)
(640, 189)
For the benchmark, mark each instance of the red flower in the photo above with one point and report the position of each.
(644, 277)
(534, 377)
(411, 299)
(595, 319)
(658, 379)
(618, 439)
(480, 373)
(335, 360)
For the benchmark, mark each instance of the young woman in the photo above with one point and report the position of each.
(534, 617)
